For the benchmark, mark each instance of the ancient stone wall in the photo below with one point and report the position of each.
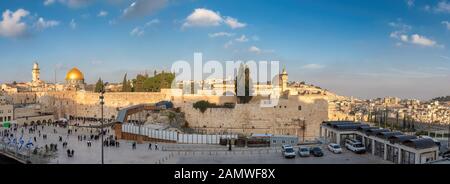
(287, 118)
(296, 115)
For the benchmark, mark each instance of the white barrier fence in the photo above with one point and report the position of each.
(175, 136)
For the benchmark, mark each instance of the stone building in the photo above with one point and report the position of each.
(6, 109)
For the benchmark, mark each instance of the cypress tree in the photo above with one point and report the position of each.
(126, 87)
(99, 86)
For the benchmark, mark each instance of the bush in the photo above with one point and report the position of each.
(203, 105)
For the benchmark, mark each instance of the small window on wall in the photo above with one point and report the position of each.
(299, 107)
(274, 141)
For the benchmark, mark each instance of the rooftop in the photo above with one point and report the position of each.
(393, 136)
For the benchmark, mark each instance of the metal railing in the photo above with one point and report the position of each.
(25, 155)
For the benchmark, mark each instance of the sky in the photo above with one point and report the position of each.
(365, 49)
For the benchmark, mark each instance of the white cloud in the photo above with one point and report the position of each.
(410, 3)
(257, 50)
(399, 25)
(422, 40)
(152, 22)
(140, 30)
(254, 49)
(102, 13)
(220, 34)
(203, 18)
(243, 38)
(44, 24)
(404, 38)
(11, 25)
(446, 24)
(418, 40)
(73, 24)
(234, 23)
(401, 34)
(69, 3)
(137, 32)
(313, 66)
(49, 2)
(443, 6)
(140, 8)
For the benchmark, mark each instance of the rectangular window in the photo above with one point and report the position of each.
(299, 107)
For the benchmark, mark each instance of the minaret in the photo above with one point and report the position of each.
(36, 73)
(284, 80)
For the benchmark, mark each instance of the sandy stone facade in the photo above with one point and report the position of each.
(294, 115)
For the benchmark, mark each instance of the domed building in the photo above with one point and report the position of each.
(75, 80)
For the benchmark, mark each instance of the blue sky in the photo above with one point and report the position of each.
(356, 48)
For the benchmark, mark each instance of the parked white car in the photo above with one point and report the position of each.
(355, 146)
(335, 148)
(288, 151)
(303, 152)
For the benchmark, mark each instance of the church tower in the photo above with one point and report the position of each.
(284, 80)
(36, 73)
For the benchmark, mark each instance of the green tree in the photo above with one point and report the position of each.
(139, 83)
(126, 85)
(243, 79)
(99, 86)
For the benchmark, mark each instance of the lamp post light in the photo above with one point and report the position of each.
(102, 103)
(448, 137)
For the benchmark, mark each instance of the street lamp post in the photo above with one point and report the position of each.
(448, 137)
(102, 103)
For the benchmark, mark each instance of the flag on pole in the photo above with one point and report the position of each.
(21, 141)
(30, 143)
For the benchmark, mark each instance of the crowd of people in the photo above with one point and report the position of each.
(37, 133)
(51, 136)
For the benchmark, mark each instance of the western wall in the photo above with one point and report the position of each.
(293, 115)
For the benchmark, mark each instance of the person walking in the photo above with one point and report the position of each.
(156, 146)
(150, 146)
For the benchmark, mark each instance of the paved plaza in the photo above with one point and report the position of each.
(173, 153)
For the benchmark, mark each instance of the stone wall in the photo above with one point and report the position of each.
(287, 117)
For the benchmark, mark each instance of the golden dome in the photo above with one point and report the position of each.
(74, 74)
